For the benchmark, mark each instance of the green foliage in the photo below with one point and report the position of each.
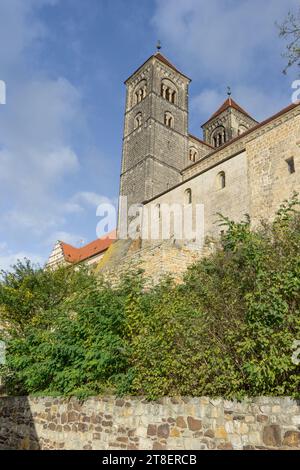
(227, 330)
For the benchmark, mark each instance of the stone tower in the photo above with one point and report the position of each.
(228, 122)
(155, 142)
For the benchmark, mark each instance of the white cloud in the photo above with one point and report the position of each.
(8, 259)
(222, 40)
(255, 101)
(19, 28)
(71, 238)
(36, 153)
(91, 199)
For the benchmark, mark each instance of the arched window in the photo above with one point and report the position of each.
(140, 91)
(221, 180)
(219, 137)
(138, 120)
(168, 90)
(193, 154)
(188, 196)
(168, 119)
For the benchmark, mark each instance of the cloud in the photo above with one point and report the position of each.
(71, 238)
(19, 28)
(40, 123)
(255, 101)
(222, 40)
(8, 259)
(91, 199)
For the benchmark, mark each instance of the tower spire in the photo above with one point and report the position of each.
(158, 45)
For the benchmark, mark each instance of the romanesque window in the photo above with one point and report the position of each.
(219, 137)
(291, 165)
(140, 91)
(188, 196)
(168, 119)
(168, 91)
(221, 180)
(138, 120)
(193, 154)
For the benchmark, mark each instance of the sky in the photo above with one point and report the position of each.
(64, 63)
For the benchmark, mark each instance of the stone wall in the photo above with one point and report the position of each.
(133, 423)
(157, 259)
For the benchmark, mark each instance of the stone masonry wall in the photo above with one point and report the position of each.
(156, 259)
(109, 423)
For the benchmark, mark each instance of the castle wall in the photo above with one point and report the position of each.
(133, 423)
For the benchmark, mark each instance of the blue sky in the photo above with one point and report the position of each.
(64, 63)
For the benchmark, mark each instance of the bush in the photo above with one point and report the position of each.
(227, 330)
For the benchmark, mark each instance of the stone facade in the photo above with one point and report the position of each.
(134, 423)
(154, 152)
(161, 163)
(156, 259)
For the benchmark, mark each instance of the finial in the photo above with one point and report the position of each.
(158, 46)
(229, 91)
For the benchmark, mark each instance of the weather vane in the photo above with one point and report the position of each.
(158, 45)
(228, 91)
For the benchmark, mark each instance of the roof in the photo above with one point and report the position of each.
(227, 144)
(229, 103)
(201, 141)
(162, 59)
(76, 255)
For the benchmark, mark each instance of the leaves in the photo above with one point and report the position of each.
(227, 330)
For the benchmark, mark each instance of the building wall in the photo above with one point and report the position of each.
(56, 257)
(231, 201)
(257, 176)
(134, 423)
(270, 182)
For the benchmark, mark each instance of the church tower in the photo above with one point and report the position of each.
(228, 122)
(155, 142)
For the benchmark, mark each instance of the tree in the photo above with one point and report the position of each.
(290, 31)
(28, 294)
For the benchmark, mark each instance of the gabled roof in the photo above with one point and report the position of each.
(165, 61)
(76, 255)
(229, 103)
(162, 59)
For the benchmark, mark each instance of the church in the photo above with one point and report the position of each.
(239, 166)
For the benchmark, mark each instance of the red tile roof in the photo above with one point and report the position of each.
(162, 59)
(165, 61)
(229, 103)
(76, 255)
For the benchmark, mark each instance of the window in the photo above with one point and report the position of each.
(219, 137)
(221, 180)
(158, 210)
(291, 165)
(140, 91)
(168, 119)
(188, 196)
(168, 91)
(138, 120)
(193, 154)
